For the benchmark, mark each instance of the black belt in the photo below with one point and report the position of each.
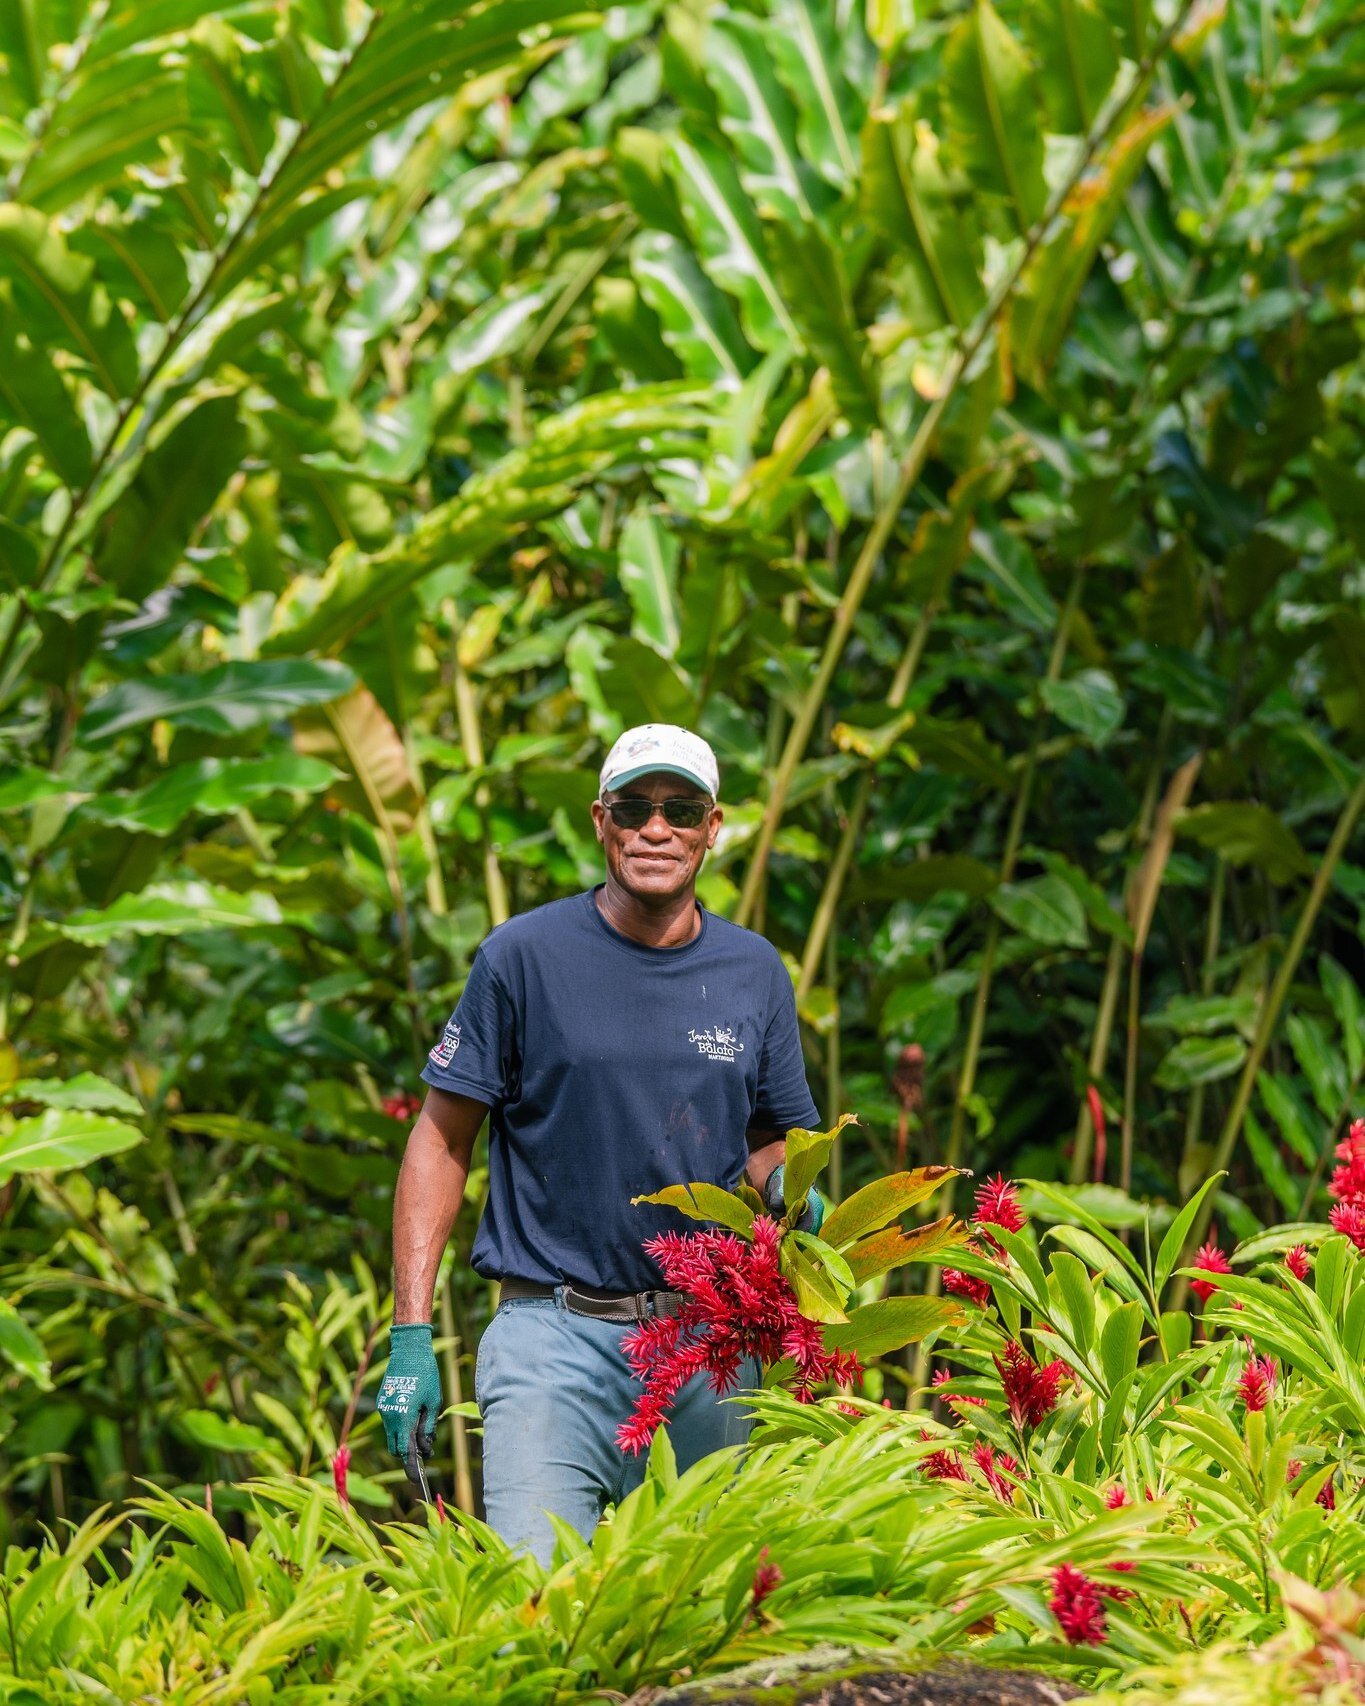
(619, 1306)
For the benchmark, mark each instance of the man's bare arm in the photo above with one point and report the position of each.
(427, 1197)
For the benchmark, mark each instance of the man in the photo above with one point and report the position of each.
(623, 1040)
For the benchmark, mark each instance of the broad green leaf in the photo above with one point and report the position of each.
(22, 1349)
(817, 1296)
(34, 395)
(1245, 833)
(806, 1155)
(1088, 702)
(181, 476)
(1075, 1285)
(1119, 1340)
(810, 274)
(932, 232)
(221, 1433)
(87, 1090)
(1178, 1231)
(211, 786)
(878, 1329)
(354, 734)
(881, 1201)
(1283, 1103)
(700, 1201)
(1200, 1060)
(894, 1246)
(648, 561)
(1045, 909)
(994, 120)
(1077, 60)
(1104, 1203)
(1202, 1015)
(230, 699)
(1320, 1062)
(172, 909)
(60, 303)
(804, 39)
(61, 1138)
(759, 120)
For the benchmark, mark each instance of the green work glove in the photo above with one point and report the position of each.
(409, 1397)
(812, 1215)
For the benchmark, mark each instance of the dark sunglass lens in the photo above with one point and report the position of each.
(630, 814)
(684, 814)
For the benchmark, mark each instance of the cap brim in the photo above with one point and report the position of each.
(660, 769)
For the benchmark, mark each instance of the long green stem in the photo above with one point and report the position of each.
(471, 738)
(1270, 1013)
(1107, 121)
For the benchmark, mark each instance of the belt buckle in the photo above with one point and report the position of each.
(646, 1305)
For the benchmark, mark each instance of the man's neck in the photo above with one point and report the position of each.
(667, 925)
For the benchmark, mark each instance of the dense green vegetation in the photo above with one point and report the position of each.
(954, 412)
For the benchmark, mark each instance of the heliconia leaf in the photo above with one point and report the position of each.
(171, 909)
(86, 1091)
(894, 1246)
(22, 1349)
(807, 1152)
(1077, 59)
(934, 236)
(1045, 909)
(700, 1201)
(1200, 1060)
(995, 123)
(647, 556)
(230, 699)
(811, 277)
(882, 1201)
(878, 1329)
(61, 1138)
(354, 733)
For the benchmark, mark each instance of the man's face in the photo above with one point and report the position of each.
(657, 861)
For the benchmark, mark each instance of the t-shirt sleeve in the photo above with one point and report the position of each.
(784, 1099)
(473, 1055)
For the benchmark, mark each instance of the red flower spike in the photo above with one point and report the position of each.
(1293, 1469)
(1092, 1096)
(1327, 1496)
(995, 1467)
(966, 1285)
(1210, 1260)
(1077, 1606)
(737, 1305)
(1116, 1498)
(997, 1204)
(942, 1377)
(441, 1509)
(1257, 1384)
(1348, 1181)
(767, 1577)
(1110, 1590)
(944, 1466)
(1298, 1261)
(1349, 1218)
(340, 1464)
(401, 1106)
(1030, 1389)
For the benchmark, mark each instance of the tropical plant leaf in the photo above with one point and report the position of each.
(230, 699)
(878, 1329)
(62, 1138)
(882, 1201)
(894, 1246)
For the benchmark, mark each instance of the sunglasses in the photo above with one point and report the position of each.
(682, 813)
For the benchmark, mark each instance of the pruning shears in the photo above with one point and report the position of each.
(414, 1465)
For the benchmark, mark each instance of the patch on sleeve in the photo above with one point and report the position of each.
(444, 1052)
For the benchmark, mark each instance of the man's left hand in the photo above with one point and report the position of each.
(812, 1215)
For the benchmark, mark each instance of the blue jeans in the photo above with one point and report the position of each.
(552, 1388)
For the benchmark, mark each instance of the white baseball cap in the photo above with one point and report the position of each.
(660, 746)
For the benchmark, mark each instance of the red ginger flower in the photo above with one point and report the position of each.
(997, 1204)
(1349, 1218)
(1030, 1389)
(942, 1377)
(737, 1305)
(1298, 1261)
(1077, 1605)
(1211, 1260)
(942, 1465)
(1327, 1495)
(966, 1285)
(995, 1467)
(1116, 1498)
(401, 1106)
(340, 1464)
(766, 1579)
(1348, 1180)
(1257, 1383)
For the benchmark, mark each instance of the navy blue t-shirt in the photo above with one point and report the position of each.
(613, 1069)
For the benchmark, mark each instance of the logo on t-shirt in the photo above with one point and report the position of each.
(720, 1043)
(444, 1052)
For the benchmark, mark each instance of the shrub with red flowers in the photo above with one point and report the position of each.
(1209, 1260)
(736, 1305)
